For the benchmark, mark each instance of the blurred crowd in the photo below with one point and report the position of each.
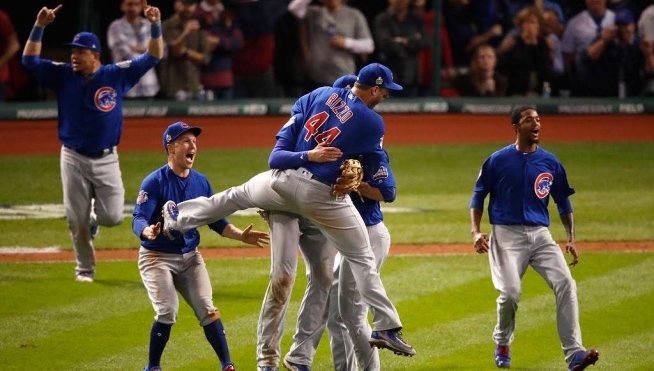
(225, 49)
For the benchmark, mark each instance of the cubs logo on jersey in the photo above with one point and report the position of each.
(105, 99)
(543, 184)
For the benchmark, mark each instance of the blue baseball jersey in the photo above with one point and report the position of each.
(157, 188)
(376, 172)
(335, 116)
(90, 108)
(520, 185)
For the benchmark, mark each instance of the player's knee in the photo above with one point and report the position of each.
(509, 295)
(111, 219)
(321, 276)
(209, 316)
(281, 287)
(565, 285)
(166, 316)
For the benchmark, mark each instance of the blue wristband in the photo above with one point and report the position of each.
(37, 34)
(155, 30)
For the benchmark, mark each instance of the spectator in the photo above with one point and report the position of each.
(482, 80)
(469, 25)
(188, 51)
(527, 57)
(614, 65)
(511, 8)
(224, 36)
(581, 31)
(646, 33)
(400, 35)
(646, 23)
(127, 38)
(252, 65)
(9, 46)
(331, 36)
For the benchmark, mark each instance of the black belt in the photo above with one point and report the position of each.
(93, 155)
(321, 180)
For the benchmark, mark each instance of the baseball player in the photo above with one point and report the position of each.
(169, 266)
(347, 314)
(520, 179)
(287, 232)
(89, 98)
(343, 119)
(319, 260)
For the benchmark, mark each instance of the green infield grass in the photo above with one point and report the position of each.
(447, 305)
(614, 201)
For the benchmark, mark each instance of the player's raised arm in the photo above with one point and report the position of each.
(44, 18)
(155, 46)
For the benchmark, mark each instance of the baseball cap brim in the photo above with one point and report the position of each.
(393, 86)
(79, 46)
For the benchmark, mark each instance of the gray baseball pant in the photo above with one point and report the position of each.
(84, 180)
(512, 249)
(297, 192)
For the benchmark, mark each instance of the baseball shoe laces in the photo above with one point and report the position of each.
(391, 340)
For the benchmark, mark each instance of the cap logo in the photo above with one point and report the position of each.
(184, 125)
(168, 138)
(379, 81)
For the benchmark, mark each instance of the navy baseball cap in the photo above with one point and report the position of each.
(345, 81)
(86, 40)
(624, 16)
(175, 130)
(376, 74)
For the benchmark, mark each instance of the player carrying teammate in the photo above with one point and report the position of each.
(343, 119)
(520, 179)
(90, 121)
(170, 266)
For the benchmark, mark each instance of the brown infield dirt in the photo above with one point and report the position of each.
(144, 134)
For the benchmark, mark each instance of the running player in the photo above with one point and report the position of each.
(520, 179)
(343, 119)
(170, 266)
(90, 121)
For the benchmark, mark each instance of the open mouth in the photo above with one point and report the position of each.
(190, 157)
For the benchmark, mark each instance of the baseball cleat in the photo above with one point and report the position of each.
(84, 277)
(229, 367)
(295, 366)
(153, 368)
(502, 356)
(169, 213)
(267, 368)
(391, 340)
(583, 359)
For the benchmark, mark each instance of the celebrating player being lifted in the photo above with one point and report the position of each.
(520, 179)
(343, 119)
(90, 121)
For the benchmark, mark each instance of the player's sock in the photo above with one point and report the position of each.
(159, 335)
(215, 333)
